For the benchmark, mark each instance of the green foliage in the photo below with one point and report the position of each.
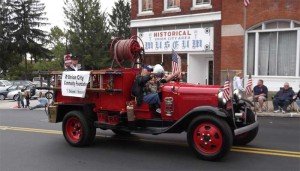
(21, 20)
(88, 33)
(120, 19)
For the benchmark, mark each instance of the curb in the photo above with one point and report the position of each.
(286, 115)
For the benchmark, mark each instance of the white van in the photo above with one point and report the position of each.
(4, 84)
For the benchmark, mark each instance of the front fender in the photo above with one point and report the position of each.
(183, 123)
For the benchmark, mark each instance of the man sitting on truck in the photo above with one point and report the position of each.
(140, 82)
(149, 85)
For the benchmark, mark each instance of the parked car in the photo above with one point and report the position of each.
(4, 84)
(3, 93)
(21, 82)
(34, 93)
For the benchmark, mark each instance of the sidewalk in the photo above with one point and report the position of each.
(10, 104)
(280, 114)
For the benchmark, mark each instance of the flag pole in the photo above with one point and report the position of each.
(245, 25)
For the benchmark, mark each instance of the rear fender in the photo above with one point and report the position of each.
(182, 124)
(86, 109)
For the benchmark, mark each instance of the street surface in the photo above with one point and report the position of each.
(28, 143)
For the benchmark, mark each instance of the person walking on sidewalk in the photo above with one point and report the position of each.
(27, 97)
(21, 98)
(283, 98)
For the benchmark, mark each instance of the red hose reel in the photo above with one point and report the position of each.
(126, 50)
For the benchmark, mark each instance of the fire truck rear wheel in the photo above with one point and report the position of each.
(78, 129)
(209, 137)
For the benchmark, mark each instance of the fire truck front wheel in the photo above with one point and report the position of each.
(78, 129)
(209, 137)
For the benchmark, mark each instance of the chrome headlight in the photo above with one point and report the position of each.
(238, 94)
(221, 98)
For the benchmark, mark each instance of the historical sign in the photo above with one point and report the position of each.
(182, 40)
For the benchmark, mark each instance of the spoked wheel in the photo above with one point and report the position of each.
(209, 137)
(2, 97)
(78, 130)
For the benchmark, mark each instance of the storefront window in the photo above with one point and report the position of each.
(274, 50)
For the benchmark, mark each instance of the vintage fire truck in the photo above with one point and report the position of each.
(211, 122)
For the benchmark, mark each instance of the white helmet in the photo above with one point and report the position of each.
(158, 69)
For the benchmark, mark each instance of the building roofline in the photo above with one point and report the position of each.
(179, 19)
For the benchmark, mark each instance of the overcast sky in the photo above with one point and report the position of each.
(55, 13)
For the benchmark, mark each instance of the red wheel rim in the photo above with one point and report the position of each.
(208, 138)
(74, 129)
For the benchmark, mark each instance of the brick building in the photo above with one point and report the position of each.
(209, 35)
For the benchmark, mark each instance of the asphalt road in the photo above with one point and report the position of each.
(29, 143)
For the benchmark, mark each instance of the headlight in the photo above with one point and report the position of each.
(221, 98)
(238, 94)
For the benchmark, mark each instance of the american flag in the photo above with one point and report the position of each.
(176, 62)
(246, 2)
(249, 86)
(227, 89)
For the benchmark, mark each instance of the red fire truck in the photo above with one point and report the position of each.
(211, 122)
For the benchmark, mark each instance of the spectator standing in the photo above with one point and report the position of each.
(260, 94)
(298, 100)
(238, 82)
(27, 97)
(283, 98)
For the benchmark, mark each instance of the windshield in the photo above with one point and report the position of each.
(6, 82)
(12, 88)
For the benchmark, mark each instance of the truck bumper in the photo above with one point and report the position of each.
(52, 114)
(246, 128)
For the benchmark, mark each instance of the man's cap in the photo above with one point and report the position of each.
(75, 57)
(148, 68)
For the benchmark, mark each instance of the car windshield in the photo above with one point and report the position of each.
(12, 88)
(6, 82)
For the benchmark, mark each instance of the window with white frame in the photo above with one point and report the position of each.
(171, 5)
(145, 6)
(273, 49)
(202, 2)
(198, 4)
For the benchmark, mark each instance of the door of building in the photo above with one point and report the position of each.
(200, 69)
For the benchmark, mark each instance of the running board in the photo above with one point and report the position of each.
(132, 129)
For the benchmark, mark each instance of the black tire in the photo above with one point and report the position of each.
(49, 95)
(15, 98)
(224, 130)
(121, 132)
(88, 132)
(247, 137)
(2, 97)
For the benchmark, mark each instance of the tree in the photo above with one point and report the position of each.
(120, 19)
(8, 57)
(28, 17)
(88, 33)
(58, 49)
